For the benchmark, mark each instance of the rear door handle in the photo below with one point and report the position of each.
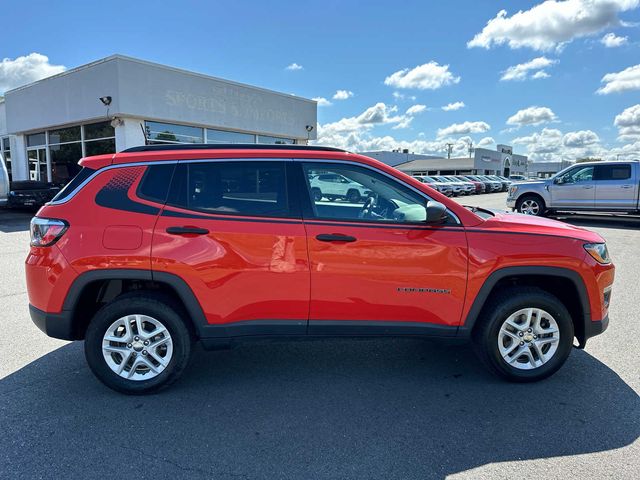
(588, 187)
(187, 231)
(626, 186)
(334, 237)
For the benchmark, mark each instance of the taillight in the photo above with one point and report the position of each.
(46, 231)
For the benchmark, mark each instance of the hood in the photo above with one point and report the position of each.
(519, 223)
(529, 182)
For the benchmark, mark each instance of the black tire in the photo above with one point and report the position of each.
(317, 194)
(163, 310)
(534, 201)
(498, 309)
(353, 196)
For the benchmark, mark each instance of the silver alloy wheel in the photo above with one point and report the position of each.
(528, 338)
(530, 207)
(137, 347)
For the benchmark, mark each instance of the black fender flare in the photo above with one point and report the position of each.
(180, 287)
(466, 328)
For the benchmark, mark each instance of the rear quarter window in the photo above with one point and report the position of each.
(70, 187)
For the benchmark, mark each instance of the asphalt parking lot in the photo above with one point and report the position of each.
(333, 409)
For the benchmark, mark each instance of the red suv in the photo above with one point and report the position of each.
(152, 249)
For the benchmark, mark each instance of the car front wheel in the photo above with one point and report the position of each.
(138, 344)
(524, 334)
(531, 205)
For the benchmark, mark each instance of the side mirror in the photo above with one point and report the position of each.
(436, 212)
(558, 181)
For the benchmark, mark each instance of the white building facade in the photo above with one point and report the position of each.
(120, 102)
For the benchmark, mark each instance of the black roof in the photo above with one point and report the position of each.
(227, 146)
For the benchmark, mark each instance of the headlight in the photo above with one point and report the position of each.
(513, 190)
(598, 251)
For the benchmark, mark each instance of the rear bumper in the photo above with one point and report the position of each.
(56, 325)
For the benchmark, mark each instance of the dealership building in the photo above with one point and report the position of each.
(120, 102)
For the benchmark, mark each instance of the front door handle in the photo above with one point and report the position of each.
(588, 187)
(187, 231)
(626, 186)
(335, 237)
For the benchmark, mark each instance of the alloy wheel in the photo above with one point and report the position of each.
(530, 207)
(137, 347)
(528, 338)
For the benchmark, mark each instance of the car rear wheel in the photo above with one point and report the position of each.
(353, 196)
(524, 334)
(138, 344)
(317, 194)
(531, 205)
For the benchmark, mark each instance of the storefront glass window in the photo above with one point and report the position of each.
(222, 136)
(169, 133)
(64, 161)
(99, 147)
(274, 140)
(64, 135)
(99, 130)
(36, 139)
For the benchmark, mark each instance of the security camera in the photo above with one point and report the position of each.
(106, 101)
(116, 122)
(308, 128)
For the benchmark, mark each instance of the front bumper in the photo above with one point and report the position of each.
(511, 202)
(593, 328)
(56, 325)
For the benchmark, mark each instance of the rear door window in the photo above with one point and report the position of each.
(234, 188)
(154, 185)
(613, 172)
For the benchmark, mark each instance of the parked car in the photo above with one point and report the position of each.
(23, 194)
(479, 186)
(485, 181)
(444, 188)
(517, 178)
(457, 187)
(332, 187)
(155, 248)
(495, 184)
(469, 187)
(589, 186)
(504, 183)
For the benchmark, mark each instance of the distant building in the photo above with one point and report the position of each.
(501, 161)
(396, 157)
(120, 102)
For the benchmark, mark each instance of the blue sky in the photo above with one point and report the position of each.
(370, 49)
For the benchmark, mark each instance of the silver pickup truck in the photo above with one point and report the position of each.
(589, 186)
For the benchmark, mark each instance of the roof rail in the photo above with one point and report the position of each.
(227, 146)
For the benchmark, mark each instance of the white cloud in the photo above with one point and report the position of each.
(551, 144)
(628, 123)
(531, 69)
(464, 128)
(581, 138)
(26, 69)
(532, 116)
(551, 24)
(409, 115)
(402, 96)
(428, 76)
(486, 142)
(453, 106)
(342, 94)
(627, 79)
(610, 40)
(294, 66)
(378, 114)
(415, 109)
(322, 102)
